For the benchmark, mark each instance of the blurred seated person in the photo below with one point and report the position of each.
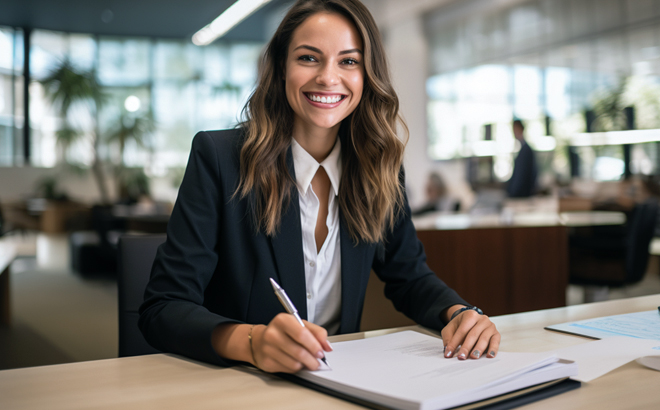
(437, 197)
(523, 181)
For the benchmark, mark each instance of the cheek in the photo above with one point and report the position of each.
(357, 86)
(287, 91)
(294, 80)
(289, 84)
(291, 93)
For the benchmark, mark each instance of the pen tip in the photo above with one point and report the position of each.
(275, 285)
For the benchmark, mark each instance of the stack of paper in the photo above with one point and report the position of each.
(407, 370)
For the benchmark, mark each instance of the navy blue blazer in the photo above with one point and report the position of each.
(215, 267)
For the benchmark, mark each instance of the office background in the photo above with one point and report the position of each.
(457, 66)
(463, 69)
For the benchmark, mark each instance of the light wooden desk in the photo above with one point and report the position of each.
(170, 382)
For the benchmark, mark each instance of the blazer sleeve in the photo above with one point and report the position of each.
(412, 286)
(172, 317)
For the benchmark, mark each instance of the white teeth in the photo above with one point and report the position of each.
(325, 100)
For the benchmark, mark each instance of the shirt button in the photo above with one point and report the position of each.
(309, 295)
(312, 264)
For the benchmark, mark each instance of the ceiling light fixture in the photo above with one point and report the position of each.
(234, 14)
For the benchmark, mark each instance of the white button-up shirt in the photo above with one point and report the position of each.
(322, 269)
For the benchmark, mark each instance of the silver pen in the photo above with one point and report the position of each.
(289, 307)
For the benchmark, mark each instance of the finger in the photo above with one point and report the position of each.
(302, 355)
(287, 337)
(275, 360)
(268, 353)
(299, 334)
(464, 323)
(447, 333)
(320, 334)
(494, 345)
(483, 342)
(304, 337)
(471, 336)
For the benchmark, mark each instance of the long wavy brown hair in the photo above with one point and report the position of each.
(370, 191)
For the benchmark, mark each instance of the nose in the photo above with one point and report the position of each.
(327, 75)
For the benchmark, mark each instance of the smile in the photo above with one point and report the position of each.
(325, 99)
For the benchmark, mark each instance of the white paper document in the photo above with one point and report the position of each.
(642, 325)
(597, 358)
(652, 362)
(407, 370)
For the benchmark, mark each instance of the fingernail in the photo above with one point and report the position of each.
(319, 355)
(329, 345)
(448, 353)
(492, 353)
(461, 356)
(476, 353)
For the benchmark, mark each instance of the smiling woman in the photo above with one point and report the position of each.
(307, 191)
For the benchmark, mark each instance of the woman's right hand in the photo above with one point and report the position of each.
(285, 346)
(282, 346)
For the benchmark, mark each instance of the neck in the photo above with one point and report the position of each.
(318, 142)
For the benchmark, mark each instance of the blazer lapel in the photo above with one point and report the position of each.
(288, 250)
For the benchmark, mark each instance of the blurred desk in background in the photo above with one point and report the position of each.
(509, 262)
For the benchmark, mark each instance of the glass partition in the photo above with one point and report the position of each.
(177, 87)
(11, 88)
(545, 62)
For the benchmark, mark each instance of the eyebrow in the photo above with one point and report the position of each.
(316, 50)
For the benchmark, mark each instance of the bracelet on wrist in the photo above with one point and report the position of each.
(254, 359)
(463, 309)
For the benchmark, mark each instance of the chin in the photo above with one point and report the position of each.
(326, 124)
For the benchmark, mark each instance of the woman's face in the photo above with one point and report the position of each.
(324, 72)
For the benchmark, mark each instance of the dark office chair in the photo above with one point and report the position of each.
(3, 226)
(609, 257)
(136, 255)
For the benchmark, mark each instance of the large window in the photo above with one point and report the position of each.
(545, 62)
(11, 101)
(177, 87)
(47, 52)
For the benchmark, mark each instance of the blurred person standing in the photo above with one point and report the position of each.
(525, 172)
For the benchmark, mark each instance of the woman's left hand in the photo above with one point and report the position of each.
(474, 333)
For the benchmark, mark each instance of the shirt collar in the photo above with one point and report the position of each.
(306, 166)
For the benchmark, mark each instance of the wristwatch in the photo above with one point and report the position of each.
(463, 309)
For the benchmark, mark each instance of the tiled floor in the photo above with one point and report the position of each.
(58, 316)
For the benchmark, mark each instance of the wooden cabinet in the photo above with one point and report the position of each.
(502, 269)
